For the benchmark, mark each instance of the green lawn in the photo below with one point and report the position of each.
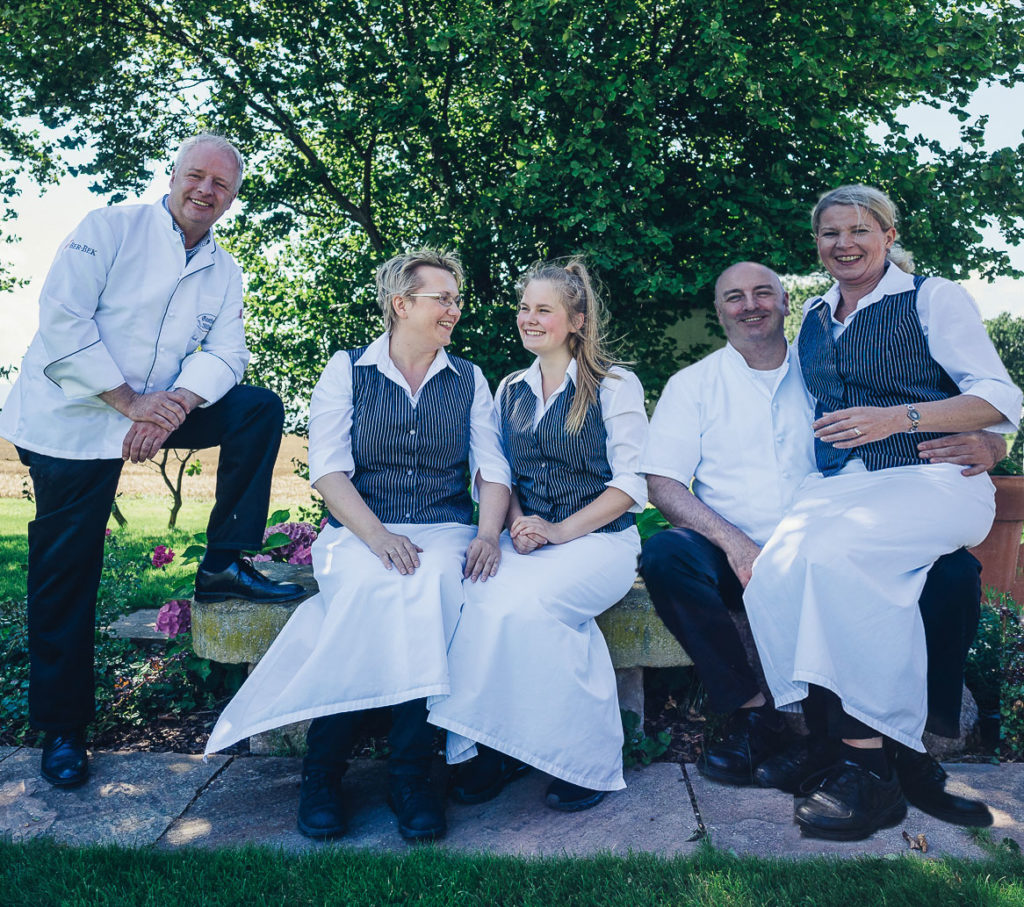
(42, 873)
(147, 527)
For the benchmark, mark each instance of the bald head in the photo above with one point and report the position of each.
(752, 307)
(746, 273)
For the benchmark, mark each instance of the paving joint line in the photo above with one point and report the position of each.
(195, 796)
(17, 749)
(701, 831)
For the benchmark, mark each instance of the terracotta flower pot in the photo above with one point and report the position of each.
(1000, 551)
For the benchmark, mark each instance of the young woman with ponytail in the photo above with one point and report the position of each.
(531, 678)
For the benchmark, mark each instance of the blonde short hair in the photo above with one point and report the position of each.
(398, 277)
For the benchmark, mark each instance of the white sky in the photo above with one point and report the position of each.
(43, 221)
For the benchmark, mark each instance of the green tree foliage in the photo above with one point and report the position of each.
(664, 139)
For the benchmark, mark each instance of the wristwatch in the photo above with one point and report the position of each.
(914, 416)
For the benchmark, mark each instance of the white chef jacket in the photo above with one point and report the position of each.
(331, 410)
(746, 446)
(120, 305)
(625, 422)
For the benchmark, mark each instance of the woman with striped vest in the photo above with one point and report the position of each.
(399, 432)
(532, 680)
(892, 359)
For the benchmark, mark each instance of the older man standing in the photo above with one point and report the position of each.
(141, 345)
(737, 424)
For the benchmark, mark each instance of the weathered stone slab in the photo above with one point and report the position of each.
(6, 751)
(750, 820)
(240, 631)
(139, 626)
(636, 636)
(237, 631)
(129, 799)
(254, 800)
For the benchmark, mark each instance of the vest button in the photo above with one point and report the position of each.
(412, 431)
(408, 472)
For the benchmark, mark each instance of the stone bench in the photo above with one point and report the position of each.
(239, 632)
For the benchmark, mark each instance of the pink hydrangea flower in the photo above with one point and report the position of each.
(259, 558)
(323, 523)
(174, 617)
(302, 536)
(108, 532)
(162, 556)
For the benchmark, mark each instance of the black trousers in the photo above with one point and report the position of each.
(694, 589)
(329, 740)
(65, 540)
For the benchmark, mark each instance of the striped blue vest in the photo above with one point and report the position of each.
(555, 473)
(881, 359)
(412, 462)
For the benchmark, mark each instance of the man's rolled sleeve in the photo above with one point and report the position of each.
(79, 362)
(330, 421)
(673, 442)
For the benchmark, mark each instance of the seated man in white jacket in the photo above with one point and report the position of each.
(141, 345)
(738, 425)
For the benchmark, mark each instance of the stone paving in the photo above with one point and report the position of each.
(170, 802)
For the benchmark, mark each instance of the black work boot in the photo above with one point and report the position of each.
(924, 785)
(321, 809)
(483, 777)
(753, 736)
(788, 769)
(849, 803)
(419, 809)
(64, 761)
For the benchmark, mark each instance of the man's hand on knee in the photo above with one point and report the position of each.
(143, 441)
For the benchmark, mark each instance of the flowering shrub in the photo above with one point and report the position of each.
(175, 617)
(294, 548)
(162, 556)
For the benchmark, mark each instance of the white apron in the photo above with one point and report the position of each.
(370, 638)
(530, 670)
(834, 595)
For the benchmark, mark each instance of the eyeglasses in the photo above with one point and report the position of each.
(445, 299)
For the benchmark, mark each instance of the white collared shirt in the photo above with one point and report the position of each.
(956, 335)
(120, 305)
(745, 446)
(331, 410)
(625, 422)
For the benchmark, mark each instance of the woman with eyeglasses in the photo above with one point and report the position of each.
(399, 431)
(532, 680)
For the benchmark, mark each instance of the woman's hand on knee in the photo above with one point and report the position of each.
(397, 551)
(482, 558)
(524, 543)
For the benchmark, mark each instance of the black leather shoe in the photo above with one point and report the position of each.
(849, 803)
(790, 768)
(420, 811)
(321, 809)
(752, 737)
(484, 777)
(924, 785)
(571, 798)
(242, 580)
(64, 762)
